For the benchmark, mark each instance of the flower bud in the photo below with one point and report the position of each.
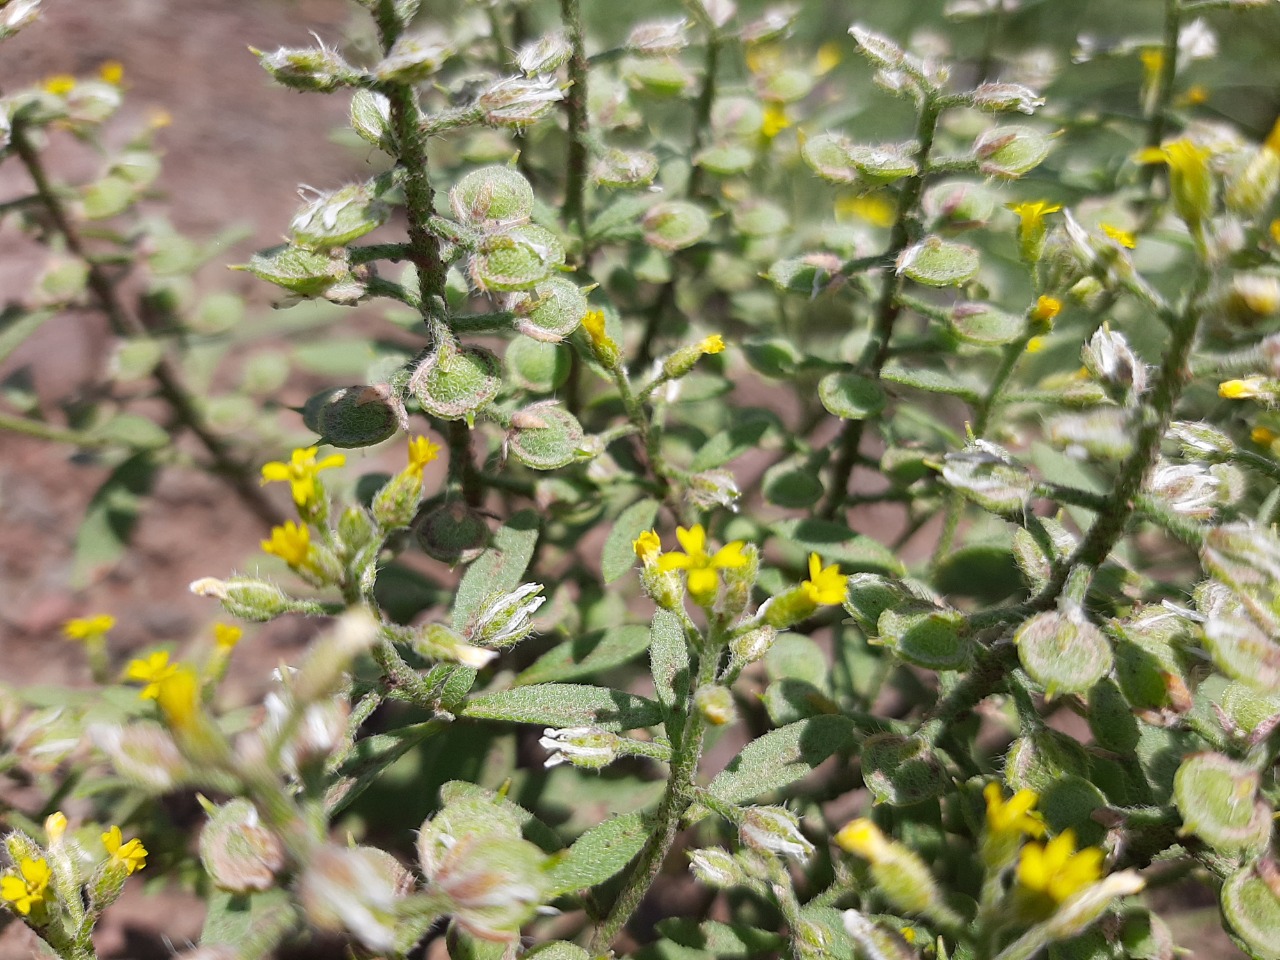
(602, 345)
(504, 619)
(1107, 357)
(239, 853)
(543, 55)
(245, 598)
(716, 868)
(900, 875)
(316, 68)
(1006, 97)
(716, 705)
(774, 830)
(1252, 298)
(752, 645)
(519, 101)
(396, 503)
(586, 747)
(666, 589)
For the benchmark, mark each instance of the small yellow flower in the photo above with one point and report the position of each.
(112, 72)
(1122, 237)
(1152, 63)
(29, 887)
(60, 84)
(1242, 389)
(55, 827)
(1056, 869)
(152, 671)
(1036, 344)
(593, 323)
(1263, 436)
(226, 636)
(826, 585)
(1046, 309)
(863, 838)
(132, 855)
(828, 58)
(1190, 179)
(300, 472)
(712, 344)
(775, 120)
(1031, 213)
(1012, 816)
(1196, 95)
(421, 452)
(701, 567)
(89, 628)
(877, 209)
(647, 546)
(179, 696)
(291, 543)
(1274, 228)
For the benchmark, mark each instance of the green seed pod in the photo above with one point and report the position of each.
(785, 85)
(245, 598)
(658, 38)
(725, 160)
(986, 474)
(238, 852)
(307, 273)
(371, 119)
(831, 157)
(938, 263)
(986, 326)
(354, 416)
(715, 703)
(544, 55)
(901, 770)
(1010, 152)
(926, 636)
(354, 889)
(1248, 709)
(1063, 651)
(1038, 761)
(551, 311)
(544, 437)
(537, 366)
(869, 596)
(452, 533)
(629, 169)
(959, 206)
(1102, 434)
(760, 218)
(1006, 98)
(316, 68)
(519, 101)
(1111, 720)
(1218, 800)
(674, 225)
(1251, 904)
(338, 218)
(455, 382)
(516, 260)
(884, 163)
(496, 195)
(413, 58)
(664, 77)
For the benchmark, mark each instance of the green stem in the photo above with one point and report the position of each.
(575, 104)
(462, 464)
(876, 351)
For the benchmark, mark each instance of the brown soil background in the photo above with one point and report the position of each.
(236, 151)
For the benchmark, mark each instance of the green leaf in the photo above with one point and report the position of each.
(836, 543)
(132, 430)
(500, 568)
(16, 325)
(586, 655)
(619, 556)
(781, 757)
(251, 924)
(567, 705)
(600, 853)
(724, 940)
(851, 397)
(110, 518)
(746, 433)
(558, 950)
(932, 381)
(669, 659)
(456, 791)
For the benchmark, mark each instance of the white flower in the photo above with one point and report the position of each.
(587, 747)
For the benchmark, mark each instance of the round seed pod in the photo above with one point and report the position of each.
(725, 160)
(452, 533)
(336, 219)
(625, 169)
(492, 195)
(675, 225)
(1218, 800)
(353, 416)
(1251, 904)
(539, 367)
(1063, 651)
(831, 157)
(901, 770)
(517, 259)
(551, 311)
(1009, 152)
(544, 437)
(456, 382)
(238, 852)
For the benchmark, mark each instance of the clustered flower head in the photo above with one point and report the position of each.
(300, 472)
(702, 568)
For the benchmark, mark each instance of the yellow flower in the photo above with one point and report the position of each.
(701, 567)
(826, 585)
(421, 452)
(1046, 309)
(300, 472)
(1056, 869)
(1036, 344)
(1122, 237)
(1190, 180)
(1152, 63)
(593, 323)
(647, 547)
(132, 855)
(1031, 226)
(88, 628)
(863, 838)
(226, 636)
(775, 120)
(712, 344)
(60, 84)
(1263, 436)
(1195, 96)
(877, 209)
(152, 671)
(828, 58)
(112, 72)
(179, 696)
(29, 887)
(1242, 389)
(55, 826)
(1012, 816)
(291, 543)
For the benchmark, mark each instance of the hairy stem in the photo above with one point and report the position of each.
(575, 105)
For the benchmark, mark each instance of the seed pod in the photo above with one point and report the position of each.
(1010, 152)
(1063, 651)
(337, 218)
(544, 437)
(831, 157)
(1218, 800)
(452, 533)
(354, 889)
(354, 416)
(492, 196)
(551, 311)
(316, 68)
(413, 58)
(454, 382)
(516, 260)
(674, 225)
(938, 263)
(245, 598)
(625, 169)
(239, 853)
(901, 770)
(774, 830)
(537, 366)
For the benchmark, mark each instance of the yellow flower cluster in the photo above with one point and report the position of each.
(701, 568)
(300, 472)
